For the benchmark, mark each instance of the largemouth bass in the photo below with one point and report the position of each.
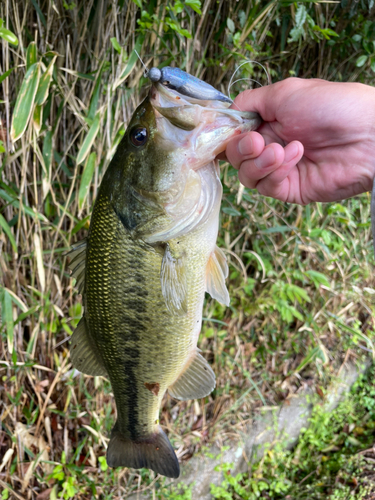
(149, 258)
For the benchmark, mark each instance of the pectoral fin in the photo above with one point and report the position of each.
(173, 283)
(216, 272)
(83, 352)
(197, 381)
(77, 263)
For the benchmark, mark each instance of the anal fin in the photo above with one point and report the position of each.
(216, 272)
(196, 381)
(82, 352)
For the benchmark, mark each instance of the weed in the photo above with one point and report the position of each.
(300, 279)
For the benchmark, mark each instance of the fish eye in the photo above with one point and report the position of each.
(139, 136)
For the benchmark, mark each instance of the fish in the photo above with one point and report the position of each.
(150, 256)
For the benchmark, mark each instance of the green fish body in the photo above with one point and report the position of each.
(146, 264)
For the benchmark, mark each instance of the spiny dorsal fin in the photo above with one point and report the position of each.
(84, 354)
(77, 263)
(173, 283)
(216, 272)
(197, 381)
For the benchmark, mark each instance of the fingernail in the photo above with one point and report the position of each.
(245, 146)
(291, 152)
(266, 159)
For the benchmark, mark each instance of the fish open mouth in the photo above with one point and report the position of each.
(198, 128)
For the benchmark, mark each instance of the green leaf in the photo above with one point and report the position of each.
(86, 179)
(80, 225)
(8, 36)
(88, 142)
(8, 232)
(231, 211)
(277, 229)
(47, 157)
(31, 55)
(115, 44)
(44, 84)
(2, 148)
(300, 293)
(317, 278)
(195, 5)
(184, 32)
(373, 64)
(25, 102)
(301, 15)
(103, 463)
(230, 25)
(95, 98)
(308, 359)
(39, 12)
(178, 7)
(361, 61)
(15, 203)
(132, 60)
(37, 118)
(47, 150)
(138, 3)
(7, 316)
(6, 74)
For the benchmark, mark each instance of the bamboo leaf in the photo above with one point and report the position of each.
(90, 137)
(115, 44)
(7, 317)
(47, 157)
(6, 74)
(132, 60)
(15, 203)
(25, 102)
(8, 232)
(95, 98)
(44, 84)
(84, 222)
(37, 118)
(31, 55)
(86, 179)
(8, 36)
(39, 262)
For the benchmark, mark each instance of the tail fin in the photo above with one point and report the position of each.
(153, 452)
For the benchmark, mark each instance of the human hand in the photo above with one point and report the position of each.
(317, 142)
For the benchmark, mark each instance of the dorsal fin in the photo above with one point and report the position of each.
(77, 263)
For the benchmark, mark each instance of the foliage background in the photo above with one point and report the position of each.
(301, 278)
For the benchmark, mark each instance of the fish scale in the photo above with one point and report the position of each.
(147, 262)
(161, 347)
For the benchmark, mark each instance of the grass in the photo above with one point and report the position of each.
(333, 458)
(300, 278)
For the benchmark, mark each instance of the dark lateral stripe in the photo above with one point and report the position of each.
(136, 290)
(131, 392)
